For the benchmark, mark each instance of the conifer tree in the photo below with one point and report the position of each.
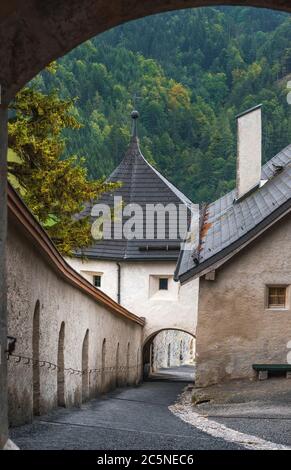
(54, 188)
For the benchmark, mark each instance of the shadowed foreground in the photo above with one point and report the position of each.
(132, 418)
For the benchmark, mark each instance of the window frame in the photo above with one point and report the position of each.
(163, 278)
(100, 279)
(278, 307)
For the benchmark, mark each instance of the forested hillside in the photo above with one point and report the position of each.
(192, 72)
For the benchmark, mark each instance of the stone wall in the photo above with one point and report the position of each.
(235, 328)
(40, 300)
(173, 348)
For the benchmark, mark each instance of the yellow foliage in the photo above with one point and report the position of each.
(179, 97)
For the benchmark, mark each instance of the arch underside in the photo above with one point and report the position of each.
(35, 32)
(152, 336)
(147, 350)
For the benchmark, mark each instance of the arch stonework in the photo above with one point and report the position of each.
(151, 336)
(147, 346)
(35, 32)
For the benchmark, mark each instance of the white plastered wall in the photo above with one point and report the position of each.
(175, 308)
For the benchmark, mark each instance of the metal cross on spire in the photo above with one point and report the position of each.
(134, 114)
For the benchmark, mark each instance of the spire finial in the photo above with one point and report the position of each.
(134, 116)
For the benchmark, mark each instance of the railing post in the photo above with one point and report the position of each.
(3, 290)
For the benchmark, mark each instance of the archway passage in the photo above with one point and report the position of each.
(169, 355)
(61, 367)
(57, 26)
(85, 367)
(35, 356)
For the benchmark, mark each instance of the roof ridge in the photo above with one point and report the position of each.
(134, 143)
(142, 184)
(168, 183)
(250, 216)
(265, 167)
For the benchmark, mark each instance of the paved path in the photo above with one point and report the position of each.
(131, 418)
(183, 373)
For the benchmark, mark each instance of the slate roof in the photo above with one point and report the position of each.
(227, 225)
(141, 184)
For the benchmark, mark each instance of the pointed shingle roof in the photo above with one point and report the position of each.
(141, 184)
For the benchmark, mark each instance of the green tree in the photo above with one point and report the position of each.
(193, 71)
(54, 188)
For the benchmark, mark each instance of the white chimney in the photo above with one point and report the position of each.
(249, 151)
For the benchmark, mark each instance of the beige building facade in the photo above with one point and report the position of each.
(236, 325)
(243, 260)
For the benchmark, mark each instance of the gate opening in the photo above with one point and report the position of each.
(169, 355)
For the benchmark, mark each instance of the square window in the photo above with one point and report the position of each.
(163, 283)
(97, 280)
(277, 296)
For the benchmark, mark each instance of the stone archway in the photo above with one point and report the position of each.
(32, 34)
(35, 32)
(148, 351)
